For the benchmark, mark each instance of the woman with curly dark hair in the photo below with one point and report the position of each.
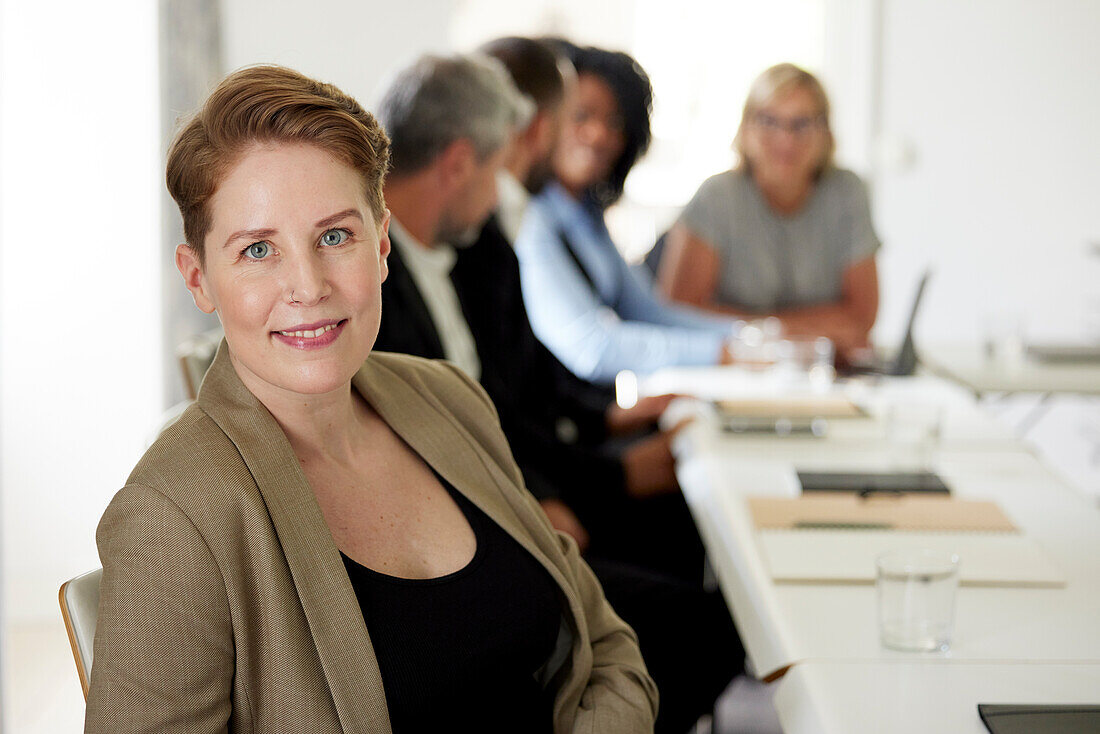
(584, 302)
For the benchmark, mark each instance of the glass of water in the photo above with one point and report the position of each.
(916, 599)
(812, 357)
(913, 432)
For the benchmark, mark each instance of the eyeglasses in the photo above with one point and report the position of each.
(796, 126)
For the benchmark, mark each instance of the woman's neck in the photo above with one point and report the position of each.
(785, 197)
(321, 425)
(575, 192)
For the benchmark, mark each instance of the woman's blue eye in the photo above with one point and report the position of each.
(257, 250)
(334, 237)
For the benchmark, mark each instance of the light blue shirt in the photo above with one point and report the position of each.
(615, 322)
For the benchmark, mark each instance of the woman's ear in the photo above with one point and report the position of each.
(384, 246)
(190, 267)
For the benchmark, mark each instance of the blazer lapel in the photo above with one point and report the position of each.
(435, 434)
(331, 607)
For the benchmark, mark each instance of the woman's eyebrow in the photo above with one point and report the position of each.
(252, 234)
(334, 218)
(264, 233)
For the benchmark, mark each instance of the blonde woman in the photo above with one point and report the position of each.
(785, 233)
(331, 540)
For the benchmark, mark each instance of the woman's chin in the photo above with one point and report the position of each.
(782, 172)
(581, 177)
(316, 377)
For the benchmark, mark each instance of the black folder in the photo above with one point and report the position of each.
(1036, 719)
(867, 483)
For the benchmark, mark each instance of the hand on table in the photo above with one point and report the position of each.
(646, 411)
(648, 465)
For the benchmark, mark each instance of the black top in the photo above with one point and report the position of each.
(460, 652)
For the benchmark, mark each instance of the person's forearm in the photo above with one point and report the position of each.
(845, 325)
(721, 309)
(840, 323)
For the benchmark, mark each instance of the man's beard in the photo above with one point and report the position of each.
(457, 235)
(539, 175)
(465, 238)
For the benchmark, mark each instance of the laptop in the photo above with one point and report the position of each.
(904, 362)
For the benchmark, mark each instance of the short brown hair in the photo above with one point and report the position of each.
(774, 82)
(264, 104)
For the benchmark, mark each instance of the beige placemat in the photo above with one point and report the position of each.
(905, 512)
(813, 407)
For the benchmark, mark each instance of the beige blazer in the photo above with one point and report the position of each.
(225, 606)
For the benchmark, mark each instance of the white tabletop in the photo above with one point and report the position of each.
(972, 367)
(782, 624)
(818, 697)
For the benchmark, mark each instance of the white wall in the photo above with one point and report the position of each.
(354, 45)
(80, 370)
(998, 101)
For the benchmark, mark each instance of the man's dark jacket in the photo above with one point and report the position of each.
(552, 419)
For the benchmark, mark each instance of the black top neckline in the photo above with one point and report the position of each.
(464, 650)
(474, 521)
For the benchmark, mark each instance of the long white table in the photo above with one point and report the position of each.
(790, 624)
(819, 697)
(972, 367)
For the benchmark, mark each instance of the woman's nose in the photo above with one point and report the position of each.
(307, 281)
(598, 132)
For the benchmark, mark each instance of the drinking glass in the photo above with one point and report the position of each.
(916, 598)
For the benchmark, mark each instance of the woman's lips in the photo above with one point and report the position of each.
(316, 338)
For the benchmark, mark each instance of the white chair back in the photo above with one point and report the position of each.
(79, 599)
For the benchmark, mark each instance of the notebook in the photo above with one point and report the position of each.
(848, 556)
(835, 538)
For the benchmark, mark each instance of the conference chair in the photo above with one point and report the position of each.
(79, 599)
(195, 356)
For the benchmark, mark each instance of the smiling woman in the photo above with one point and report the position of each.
(294, 270)
(322, 541)
(785, 234)
(584, 302)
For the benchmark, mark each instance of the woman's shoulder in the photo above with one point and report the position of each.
(723, 184)
(844, 183)
(721, 199)
(439, 378)
(192, 464)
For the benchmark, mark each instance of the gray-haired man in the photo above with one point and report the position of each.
(466, 305)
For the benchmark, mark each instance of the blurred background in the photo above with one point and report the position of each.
(974, 124)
